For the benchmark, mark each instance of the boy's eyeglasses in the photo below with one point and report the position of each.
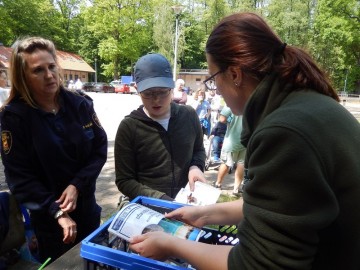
(147, 94)
(210, 82)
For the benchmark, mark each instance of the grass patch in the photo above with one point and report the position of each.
(226, 198)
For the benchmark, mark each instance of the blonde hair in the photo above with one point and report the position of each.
(198, 91)
(23, 46)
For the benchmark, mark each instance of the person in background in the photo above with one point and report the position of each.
(71, 85)
(217, 135)
(232, 151)
(4, 93)
(158, 147)
(215, 105)
(300, 206)
(78, 84)
(53, 149)
(179, 94)
(203, 110)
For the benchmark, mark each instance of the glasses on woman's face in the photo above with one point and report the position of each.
(210, 82)
(155, 92)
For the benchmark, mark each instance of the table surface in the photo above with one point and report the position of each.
(70, 260)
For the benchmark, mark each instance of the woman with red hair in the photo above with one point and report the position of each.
(300, 204)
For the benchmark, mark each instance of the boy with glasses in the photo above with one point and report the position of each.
(158, 147)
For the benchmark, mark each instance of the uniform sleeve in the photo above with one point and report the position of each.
(287, 201)
(20, 169)
(85, 178)
(125, 164)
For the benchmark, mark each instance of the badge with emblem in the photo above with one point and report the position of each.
(97, 121)
(6, 141)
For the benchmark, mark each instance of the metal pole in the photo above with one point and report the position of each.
(176, 45)
(347, 72)
(95, 71)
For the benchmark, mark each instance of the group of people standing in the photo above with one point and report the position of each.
(300, 204)
(223, 128)
(77, 85)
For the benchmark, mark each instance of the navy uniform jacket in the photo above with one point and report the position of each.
(43, 153)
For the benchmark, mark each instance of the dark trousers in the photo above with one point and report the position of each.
(50, 236)
(217, 145)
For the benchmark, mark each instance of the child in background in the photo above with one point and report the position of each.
(203, 110)
(217, 135)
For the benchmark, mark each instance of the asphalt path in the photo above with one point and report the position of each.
(111, 108)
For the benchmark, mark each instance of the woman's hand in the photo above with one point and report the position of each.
(195, 174)
(155, 245)
(68, 199)
(192, 215)
(69, 228)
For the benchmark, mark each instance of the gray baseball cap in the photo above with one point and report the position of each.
(153, 70)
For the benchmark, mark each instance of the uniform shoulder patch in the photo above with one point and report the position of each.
(97, 121)
(6, 141)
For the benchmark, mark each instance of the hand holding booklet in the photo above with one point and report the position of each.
(135, 219)
(203, 194)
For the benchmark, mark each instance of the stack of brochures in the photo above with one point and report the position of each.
(135, 219)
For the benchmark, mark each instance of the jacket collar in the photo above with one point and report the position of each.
(266, 98)
(18, 106)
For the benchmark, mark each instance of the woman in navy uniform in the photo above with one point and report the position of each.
(53, 149)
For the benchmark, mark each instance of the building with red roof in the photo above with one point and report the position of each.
(72, 65)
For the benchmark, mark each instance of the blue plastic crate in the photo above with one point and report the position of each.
(97, 255)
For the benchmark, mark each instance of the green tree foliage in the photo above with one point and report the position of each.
(216, 10)
(292, 20)
(337, 39)
(39, 18)
(69, 23)
(164, 29)
(117, 32)
(123, 29)
(25, 17)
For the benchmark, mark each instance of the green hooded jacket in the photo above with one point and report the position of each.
(150, 161)
(302, 182)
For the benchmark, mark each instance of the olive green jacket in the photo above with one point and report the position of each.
(150, 161)
(302, 182)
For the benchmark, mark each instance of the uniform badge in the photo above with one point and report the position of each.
(97, 121)
(6, 141)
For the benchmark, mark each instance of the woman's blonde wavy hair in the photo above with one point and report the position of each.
(18, 67)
